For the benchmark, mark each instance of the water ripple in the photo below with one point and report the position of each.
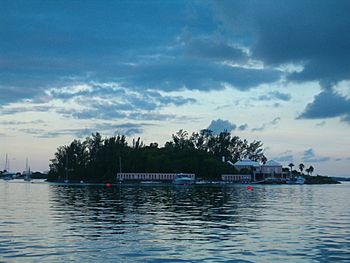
(54, 223)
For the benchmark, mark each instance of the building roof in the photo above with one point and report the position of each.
(247, 162)
(272, 163)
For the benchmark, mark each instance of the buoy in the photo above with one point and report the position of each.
(249, 187)
(108, 185)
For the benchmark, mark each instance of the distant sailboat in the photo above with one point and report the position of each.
(6, 175)
(27, 172)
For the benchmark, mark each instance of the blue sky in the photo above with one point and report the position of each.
(275, 71)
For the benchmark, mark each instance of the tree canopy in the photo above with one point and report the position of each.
(99, 159)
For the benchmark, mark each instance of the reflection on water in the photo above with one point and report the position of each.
(165, 223)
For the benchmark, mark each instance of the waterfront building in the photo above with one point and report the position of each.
(272, 168)
(163, 177)
(248, 164)
(260, 171)
(236, 178)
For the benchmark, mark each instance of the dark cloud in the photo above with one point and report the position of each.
(327, 104)
(212, 48)
(204, 46)
(310, 157)
(179, 73)
(220, 125)
(275, 95)
(135, 44)
(274, 122)
(311, 33)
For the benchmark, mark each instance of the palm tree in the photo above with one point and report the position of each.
(301, 167)
(311, 169)
(291, 167)
(307, 170)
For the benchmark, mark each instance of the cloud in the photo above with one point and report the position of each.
(327, 104)
(127, 129)
(312, 34)
(310, 39)
(275, 95)
(10, 110)
(204, 47)
(310, 157)
(286, 156)
(173, 74)
(320, 124)
(220, 125)
(16, 123)
(105, 101)
(94, 42)
(243, 127)
(274, 122)
(212, 48)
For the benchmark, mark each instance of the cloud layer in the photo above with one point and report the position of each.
(150, 49)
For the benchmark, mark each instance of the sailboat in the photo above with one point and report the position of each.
(27, 173)
(6, 175)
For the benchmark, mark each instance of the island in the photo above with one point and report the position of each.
(211, 157)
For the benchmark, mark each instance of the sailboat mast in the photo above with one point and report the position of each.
(7, 163)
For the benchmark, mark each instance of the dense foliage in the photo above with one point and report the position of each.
(97, 159)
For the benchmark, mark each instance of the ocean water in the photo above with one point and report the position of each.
(40, 222)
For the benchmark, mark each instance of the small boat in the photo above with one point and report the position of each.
(296, 180)
(183, 179)
(7, 175)
(271, 180)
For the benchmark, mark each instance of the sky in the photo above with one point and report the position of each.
(275, 71)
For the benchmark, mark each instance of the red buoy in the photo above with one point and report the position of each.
(249, 187)
(108, 185)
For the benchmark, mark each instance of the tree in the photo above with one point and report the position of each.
(301, 167)
(291, 165)
(311, 169)
(307, 170)
(97, 159)
(181, 140)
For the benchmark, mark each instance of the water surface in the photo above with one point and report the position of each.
(281, 223)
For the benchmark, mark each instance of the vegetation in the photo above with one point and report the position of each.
(98, 160)
(320, 180)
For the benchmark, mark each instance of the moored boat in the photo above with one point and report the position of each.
(296, 180)
(183, 179)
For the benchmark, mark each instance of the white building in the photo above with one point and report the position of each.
(248, 164)
(271, 167)
(236, 177)
(259, 171)
(149, 176)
